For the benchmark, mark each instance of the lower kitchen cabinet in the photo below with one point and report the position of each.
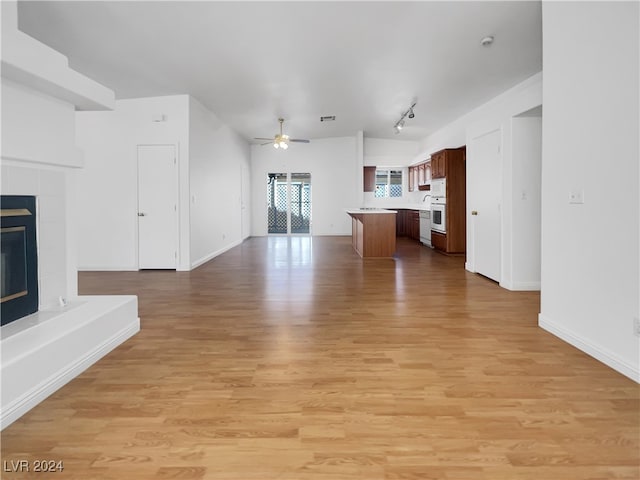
(439, 241)
(414, 229)
(408, 224)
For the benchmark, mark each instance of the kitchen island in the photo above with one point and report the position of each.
(373, 231)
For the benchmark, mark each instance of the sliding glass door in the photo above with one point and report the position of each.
(289, 203)
(300, 202)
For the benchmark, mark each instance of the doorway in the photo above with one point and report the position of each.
(289, 203)
(485, 170)
(157, 207)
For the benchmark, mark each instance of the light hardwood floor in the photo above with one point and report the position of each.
(295, 359)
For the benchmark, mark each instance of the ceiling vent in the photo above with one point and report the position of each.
(328, 118)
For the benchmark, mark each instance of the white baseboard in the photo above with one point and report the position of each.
(213, 255)
(107, 268)
(525, 286)
(469, 267)
(608, 358)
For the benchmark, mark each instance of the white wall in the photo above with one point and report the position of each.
(383, 151)
(107, 186)
(526, 153)
(219, 158)
(334, 181)
(590, 271)
(37, 127)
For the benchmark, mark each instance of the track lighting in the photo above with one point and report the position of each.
(400, 123)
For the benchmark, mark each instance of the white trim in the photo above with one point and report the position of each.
(108, 268)
(211, 256)
(607, 357)
(10, 413)
(524, 286)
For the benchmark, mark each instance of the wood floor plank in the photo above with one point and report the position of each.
(293, 358)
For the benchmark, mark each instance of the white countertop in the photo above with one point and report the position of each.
(404, 206)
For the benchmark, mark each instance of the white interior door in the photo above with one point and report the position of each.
(485, 206)
(157, 207)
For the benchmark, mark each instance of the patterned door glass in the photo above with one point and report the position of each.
(300, 202)
(277, 203)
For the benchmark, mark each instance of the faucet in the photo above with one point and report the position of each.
(425, 197)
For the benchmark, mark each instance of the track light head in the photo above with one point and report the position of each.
(400, 123)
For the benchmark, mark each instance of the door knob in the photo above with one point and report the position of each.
(474, 212)
(140, 214)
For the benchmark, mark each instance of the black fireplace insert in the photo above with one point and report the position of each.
(19, 257)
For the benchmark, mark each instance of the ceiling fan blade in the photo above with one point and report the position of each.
(267, 143)
(260, 138)
(299, 140)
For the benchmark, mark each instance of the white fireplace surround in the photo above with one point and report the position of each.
(42, 352)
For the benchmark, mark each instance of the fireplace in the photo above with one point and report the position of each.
(19, 257)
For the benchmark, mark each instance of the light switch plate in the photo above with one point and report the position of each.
(576, 197)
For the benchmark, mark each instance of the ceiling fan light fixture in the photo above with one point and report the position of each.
(280, 140)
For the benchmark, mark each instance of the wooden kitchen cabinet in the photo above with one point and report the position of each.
(400, 223)
(412, 179)
(369, 179)
(451, 164)
(439, 241)
(408, 224)
(420, 176)
(438, 164)
(373, 233)
(414, 222)
(448, 159)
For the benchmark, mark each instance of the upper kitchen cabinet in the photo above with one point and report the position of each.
(446, 161)
(437, 164)
(412, 179)
(369, 179)
(424, 176)
(420, 176)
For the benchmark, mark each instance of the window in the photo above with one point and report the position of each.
(388, 183)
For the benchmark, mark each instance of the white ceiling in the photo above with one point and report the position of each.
(251, 62)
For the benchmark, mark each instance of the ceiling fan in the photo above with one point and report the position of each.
(280, 140)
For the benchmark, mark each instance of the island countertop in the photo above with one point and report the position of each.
(368, 210)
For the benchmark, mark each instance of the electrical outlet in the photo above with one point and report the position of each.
(636, 327)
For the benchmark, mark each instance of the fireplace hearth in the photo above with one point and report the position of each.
(19, 257)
